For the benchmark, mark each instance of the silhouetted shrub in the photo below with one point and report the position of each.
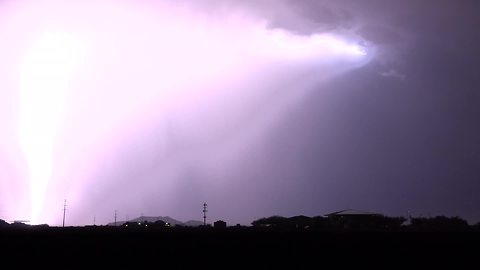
(274, 221)
(439, 223)
(341, 222)
(321, 223)
(3, 223)
(300, 222)
(366, 222)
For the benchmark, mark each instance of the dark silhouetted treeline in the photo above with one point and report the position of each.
(364, 223)
(374, 222)
(441, 223)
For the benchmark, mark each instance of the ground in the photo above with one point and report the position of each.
(233, 248)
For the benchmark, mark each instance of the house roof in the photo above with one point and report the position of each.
(352, 212)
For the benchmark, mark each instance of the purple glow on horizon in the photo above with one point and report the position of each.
(116, 98)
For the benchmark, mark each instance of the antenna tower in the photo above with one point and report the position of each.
(204, 214)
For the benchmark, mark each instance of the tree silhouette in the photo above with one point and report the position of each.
(439, 223)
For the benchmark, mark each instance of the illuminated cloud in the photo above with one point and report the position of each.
(117, 100)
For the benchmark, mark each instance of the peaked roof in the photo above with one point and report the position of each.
(352, 212)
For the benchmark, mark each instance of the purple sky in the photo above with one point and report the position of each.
(259, 108)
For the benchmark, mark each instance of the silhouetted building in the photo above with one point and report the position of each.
(220, 224)
(362, 220)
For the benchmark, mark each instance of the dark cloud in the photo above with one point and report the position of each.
(380, 35)
(370, 140)
(309, 17)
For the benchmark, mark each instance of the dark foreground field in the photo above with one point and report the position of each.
(244, 248)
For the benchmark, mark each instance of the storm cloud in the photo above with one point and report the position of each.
(257, 130)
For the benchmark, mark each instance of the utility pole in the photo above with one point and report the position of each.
(94, 220)
(64, 210)
(204, 214)
(115, 217)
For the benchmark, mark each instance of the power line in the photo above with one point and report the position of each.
(64, 210)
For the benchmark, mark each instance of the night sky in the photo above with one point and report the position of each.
(258, 108)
